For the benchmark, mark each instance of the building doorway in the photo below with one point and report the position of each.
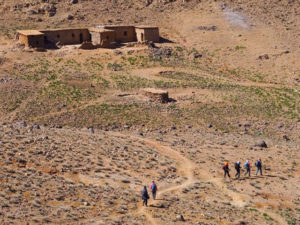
(81, 38)
(142, 37)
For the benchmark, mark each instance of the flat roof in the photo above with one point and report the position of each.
(100, 30)
(30, 32)
(115, 26)
(146, 27)
(63, 29)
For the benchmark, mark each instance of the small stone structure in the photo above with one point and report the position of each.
(104, 36)
(147, 33)
(156, 94)
(31, 38)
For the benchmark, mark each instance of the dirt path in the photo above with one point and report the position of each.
(186, 169)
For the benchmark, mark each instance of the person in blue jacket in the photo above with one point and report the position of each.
(145, 196)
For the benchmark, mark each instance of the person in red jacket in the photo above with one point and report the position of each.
(226, 169)
(153, 189)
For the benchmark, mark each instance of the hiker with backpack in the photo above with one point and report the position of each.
(153, 188)
(237, 167)
(258, 165)
(145, 196)
(226, 169)
(247, 167)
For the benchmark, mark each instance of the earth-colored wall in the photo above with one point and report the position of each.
(67, 37)
(107, 38)
(33, 41)
(103, 38)
(23, 39)
(123, 33)
(148, 34)
(95, 37)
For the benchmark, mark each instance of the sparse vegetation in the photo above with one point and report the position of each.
(79, 138)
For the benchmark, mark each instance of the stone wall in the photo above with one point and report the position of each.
(123, 33)
(67, 36)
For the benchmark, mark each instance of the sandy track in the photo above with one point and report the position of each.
(186, 169)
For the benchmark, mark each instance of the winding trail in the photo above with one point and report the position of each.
(186, 169)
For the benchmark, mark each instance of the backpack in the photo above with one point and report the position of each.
(258, 164)
(246, 165)
(153, 187)
(236, 166)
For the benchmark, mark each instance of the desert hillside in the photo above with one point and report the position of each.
(79, 137)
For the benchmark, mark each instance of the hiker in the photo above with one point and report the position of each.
(145, 196)
(237, 167)
(258, 165)
(153, 188)
(226, 169)
(247, 167)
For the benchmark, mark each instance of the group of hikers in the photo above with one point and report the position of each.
(237, 166)
(247, 167)
(145, 195)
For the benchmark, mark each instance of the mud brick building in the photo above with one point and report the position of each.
(104, 36)
(31, 38)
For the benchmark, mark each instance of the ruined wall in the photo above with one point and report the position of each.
(156, 95)
(67, 36)
(123, 33)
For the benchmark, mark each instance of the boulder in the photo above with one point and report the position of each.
(31, 12)
(91, 129)
(180, 218)
(261, 144)
(36, 126)
(70, 17)
(22, 124)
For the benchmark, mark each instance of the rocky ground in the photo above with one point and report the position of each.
(73, 176)
(79, 140)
